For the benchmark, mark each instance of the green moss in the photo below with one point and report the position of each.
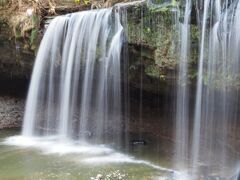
(33, 37)
(154, 72)
(34, 32)
(164, 7)
(154, 29)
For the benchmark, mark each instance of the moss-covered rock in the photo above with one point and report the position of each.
(152, 36)
(16, 61)
(154, 42)
(154, 29)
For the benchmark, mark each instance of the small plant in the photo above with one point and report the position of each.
(86, 2)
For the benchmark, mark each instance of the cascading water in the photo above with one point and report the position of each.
(216, 102)
(217, 88)
(182, 111)
(75, 91)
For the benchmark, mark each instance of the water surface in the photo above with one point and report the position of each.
(42, 162)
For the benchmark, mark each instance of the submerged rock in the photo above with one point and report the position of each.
(138, 142)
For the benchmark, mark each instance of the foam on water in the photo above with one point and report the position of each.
(53, 144)
(97, 154)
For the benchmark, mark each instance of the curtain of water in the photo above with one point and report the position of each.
(216, 108)
(216, 101)
(75, 90)
(182, 114)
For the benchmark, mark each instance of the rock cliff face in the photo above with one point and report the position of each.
(16, 62)
(15, 71)
(152, 45)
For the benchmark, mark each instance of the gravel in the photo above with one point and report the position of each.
(11, 112)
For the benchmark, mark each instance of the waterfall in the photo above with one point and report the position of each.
(75, 90)
(208, 140)
(216, 106)
(182, 111)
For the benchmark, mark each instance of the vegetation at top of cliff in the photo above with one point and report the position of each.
(24, 17)
(86, 2)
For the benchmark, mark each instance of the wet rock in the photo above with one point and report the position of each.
(85, 133)
(138, 142)
(99, 177)
(11, 112)
(116, 175)
(16, 61)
